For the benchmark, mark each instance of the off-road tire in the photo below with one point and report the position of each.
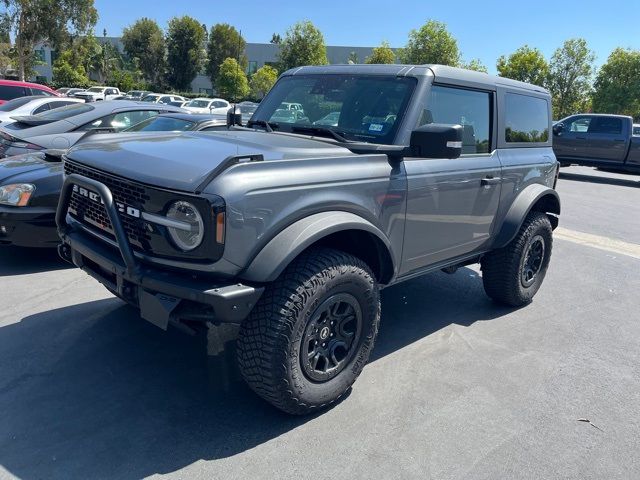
(502, 269)
(270, 343)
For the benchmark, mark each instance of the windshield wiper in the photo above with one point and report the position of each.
(320, 131)
(268, 126)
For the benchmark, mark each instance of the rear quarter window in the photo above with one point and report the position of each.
(526, 119)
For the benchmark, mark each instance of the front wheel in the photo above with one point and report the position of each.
(311, 333)
(513, 274)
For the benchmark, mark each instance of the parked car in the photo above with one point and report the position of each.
(62, 127)
(290, 230)
(30, 183)
(217, 106)
(597, 140)
(72, 92)
(97, 94)
(136, 94)
(289, 116)
(636, 129)
(32, 105)
(10, 89)
(161, 98)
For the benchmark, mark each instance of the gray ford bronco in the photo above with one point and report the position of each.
(290, 225)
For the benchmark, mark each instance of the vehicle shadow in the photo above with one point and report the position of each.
(622, 182)
(21, 261)
(103, 394)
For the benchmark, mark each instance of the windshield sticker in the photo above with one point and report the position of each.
(375, 127)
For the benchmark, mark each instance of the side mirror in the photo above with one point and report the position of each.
(558, 128)
(436, 140)
(234, 118)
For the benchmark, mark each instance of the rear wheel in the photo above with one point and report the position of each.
(512, 275)
(311, 333)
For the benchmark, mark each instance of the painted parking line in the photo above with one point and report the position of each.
(596, 241)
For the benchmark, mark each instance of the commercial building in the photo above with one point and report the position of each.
(258, 54)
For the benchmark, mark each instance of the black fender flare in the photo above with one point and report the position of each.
(276, 255)
(547, 199)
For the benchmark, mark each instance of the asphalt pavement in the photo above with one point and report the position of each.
(458, 387)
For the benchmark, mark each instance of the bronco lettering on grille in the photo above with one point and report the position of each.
(94, 197)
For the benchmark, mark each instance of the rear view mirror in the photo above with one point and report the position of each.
(435, 140)
(558, 128)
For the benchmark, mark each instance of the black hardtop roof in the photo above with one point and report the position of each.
(442, 73)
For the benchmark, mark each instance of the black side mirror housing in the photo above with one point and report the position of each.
(558, 128)
(234, 118)
(437, 140)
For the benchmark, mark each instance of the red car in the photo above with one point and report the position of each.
(10, 89)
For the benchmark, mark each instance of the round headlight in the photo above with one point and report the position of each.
(188, 231)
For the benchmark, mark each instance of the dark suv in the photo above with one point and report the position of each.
(291, 229)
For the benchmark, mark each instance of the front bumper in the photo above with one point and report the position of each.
(163, 296)
(28, 226)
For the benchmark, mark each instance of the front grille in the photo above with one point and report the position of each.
(92, 213)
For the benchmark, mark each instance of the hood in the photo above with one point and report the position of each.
(19, 165)
(183, 161)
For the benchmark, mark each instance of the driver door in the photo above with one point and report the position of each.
(452, 203)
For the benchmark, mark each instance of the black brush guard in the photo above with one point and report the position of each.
(162, 297)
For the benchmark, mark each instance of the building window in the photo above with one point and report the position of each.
(54, 56)
(40, 57)
(252, 67)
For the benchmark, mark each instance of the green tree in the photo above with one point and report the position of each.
(381, 55)
(224, 42)
(525, 64)
(570, 76)
(185, 37)
(262, 81)
(353, 58)
(33, 21)
(67, 73)
(432, 43)
(276, 39)
(617, 85)
(232, 82)
(303, 44)
(144, 44)
(476, 65)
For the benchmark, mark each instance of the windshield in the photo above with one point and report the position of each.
(162, 124)
(96, 89)
(65, 112)
(363, 108)
(11, 105)
(199, 103)
(150, 98)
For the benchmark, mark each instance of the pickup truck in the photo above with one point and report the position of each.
(597, 140)
(96, 94)
(290, 230)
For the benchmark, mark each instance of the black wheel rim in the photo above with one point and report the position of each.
(533, 260)
(331, 337)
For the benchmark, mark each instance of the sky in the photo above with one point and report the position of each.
(484, 29)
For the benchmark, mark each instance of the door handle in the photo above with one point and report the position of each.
(490, 180)
(581, 138)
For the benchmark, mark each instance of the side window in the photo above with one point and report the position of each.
(42, 108)
(35, 91)
(457, 106)
(9, 92)
(110, 91)
(579, 125)
(526, 119)
(124, 120)
(610, 125)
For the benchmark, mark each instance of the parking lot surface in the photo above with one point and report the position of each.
(457, 388)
